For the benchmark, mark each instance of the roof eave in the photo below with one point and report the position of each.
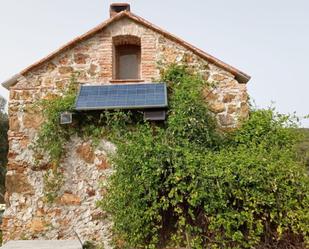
(242, 78)
(10, 82)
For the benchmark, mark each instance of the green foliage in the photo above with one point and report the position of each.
(270, 129)
(189, 119)
(4, 126)
(91, 245)
(303, 147)
(52, 135)
(185, 184)
(254, 192)
(53, 180)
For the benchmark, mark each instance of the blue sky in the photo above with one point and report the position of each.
(267, 39)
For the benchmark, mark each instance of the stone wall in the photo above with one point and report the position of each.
(27, 216)
(84, 169)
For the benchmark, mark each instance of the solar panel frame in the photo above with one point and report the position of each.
(122, 98)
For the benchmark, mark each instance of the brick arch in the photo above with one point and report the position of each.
(126, 40)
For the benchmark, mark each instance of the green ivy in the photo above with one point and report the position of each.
(53, 180)
(186, 184)
(52, 135)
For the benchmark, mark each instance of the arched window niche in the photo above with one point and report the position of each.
(126, 58)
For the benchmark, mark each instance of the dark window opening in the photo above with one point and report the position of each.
(127, 61)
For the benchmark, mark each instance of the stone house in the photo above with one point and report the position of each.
(125, 48)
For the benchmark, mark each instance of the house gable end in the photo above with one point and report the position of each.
(239, 76)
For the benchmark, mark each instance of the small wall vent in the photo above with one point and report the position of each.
(155, 115)
(66, 118)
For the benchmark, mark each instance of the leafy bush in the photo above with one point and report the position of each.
(185, 184)
(4, 126)
(303, 147)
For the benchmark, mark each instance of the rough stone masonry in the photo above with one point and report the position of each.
(27, 216)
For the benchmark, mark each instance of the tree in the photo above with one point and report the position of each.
(3, 145)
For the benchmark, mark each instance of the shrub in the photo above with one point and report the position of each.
(185, 184)
(4, 126)
(303, 147)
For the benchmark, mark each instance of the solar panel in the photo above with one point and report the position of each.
(122, 96)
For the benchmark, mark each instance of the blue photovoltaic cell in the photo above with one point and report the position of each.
(122, 96)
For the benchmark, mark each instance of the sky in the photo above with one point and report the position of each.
(267, 39)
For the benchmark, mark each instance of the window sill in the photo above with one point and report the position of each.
(126, 81)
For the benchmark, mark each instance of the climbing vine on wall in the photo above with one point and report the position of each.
(52, 137)
(183, 182)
